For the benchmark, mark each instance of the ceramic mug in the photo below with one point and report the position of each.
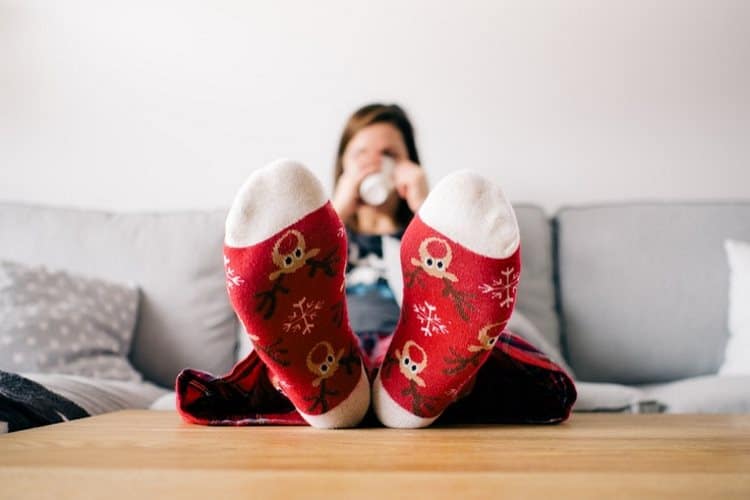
(375, 188)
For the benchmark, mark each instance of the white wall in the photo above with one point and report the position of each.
(168, 104)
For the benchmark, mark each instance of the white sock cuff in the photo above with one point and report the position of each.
(272, 198)
(474, 212)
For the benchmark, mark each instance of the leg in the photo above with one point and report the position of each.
(461, 263)
(285, 254)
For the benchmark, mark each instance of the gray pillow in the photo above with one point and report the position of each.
(55, 322)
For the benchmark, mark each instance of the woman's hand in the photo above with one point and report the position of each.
(346, 199)
(411, 184)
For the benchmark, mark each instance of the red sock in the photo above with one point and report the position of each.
(461, 263)
(284, 255)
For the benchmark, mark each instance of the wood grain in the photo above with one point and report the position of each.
(148, 454)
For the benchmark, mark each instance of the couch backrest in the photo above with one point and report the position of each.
(185, 319)
(536, 292)
(643, 288)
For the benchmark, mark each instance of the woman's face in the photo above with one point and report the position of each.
(370, 144)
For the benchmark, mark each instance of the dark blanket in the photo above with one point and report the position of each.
(25, 404)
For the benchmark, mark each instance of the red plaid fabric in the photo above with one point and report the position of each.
(517, 384)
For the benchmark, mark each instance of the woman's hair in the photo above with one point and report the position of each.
(369, 115)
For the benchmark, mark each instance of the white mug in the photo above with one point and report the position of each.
(375, 188)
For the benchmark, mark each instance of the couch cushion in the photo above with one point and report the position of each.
(98, 396)
(615, 398)
(707, 394)
(609, 398)
(176, 260)
(643, 288)
(536, 292)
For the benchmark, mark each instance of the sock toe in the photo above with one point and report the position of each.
(255, 215)
(470, 209)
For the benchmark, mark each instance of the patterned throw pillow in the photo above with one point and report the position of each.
(55, 322)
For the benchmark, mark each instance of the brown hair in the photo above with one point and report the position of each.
(369, 115)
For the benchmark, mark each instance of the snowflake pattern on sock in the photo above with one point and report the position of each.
(301, 319)
(503, 288)
(430, 321)
(232, 278)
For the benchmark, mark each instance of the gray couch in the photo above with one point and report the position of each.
(632, 296)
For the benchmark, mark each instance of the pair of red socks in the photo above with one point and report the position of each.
(285, 257)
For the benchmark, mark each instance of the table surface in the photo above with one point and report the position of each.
(145, 453)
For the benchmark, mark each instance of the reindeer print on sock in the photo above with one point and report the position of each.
(323, 361)
(294, 255)
(326, 265)
(487, 338)
(412, 361)
(289, 254)
(435, 256)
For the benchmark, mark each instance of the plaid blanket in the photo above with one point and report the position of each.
(517, 384)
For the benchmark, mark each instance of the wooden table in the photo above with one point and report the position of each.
(138, 454)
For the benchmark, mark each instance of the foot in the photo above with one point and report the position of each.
(461, 262)
(284, 256)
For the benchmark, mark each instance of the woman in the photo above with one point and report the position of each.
(372, 133)
(334, 338)
(375, 134)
